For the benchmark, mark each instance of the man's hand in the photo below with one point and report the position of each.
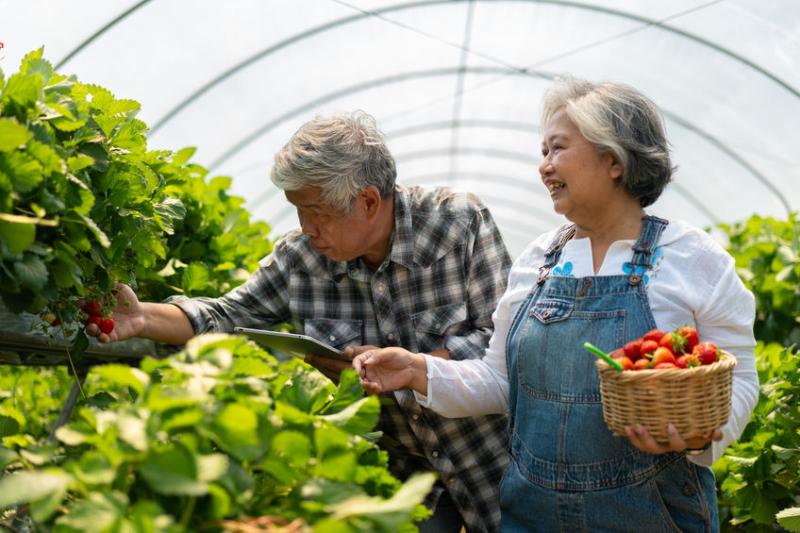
(641, 438)
(155, 321)
(129, 319)
(391, 369)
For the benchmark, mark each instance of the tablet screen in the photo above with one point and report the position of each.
(292, 344)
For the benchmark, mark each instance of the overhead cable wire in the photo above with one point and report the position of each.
(458, 101)
(98, 33)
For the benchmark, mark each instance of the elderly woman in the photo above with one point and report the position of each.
(608, 276)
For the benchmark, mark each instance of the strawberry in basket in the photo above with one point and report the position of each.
(680, 348)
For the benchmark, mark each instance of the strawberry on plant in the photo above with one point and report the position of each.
(107, 325)
(51, 319)
(706, 352)
(93, 308)
(95, 320)
(653, 335)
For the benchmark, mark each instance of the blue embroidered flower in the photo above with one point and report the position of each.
(566, 271)
(627, 268)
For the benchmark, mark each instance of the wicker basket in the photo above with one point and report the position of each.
(695, 400)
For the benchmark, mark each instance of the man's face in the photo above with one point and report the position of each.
(337, 236)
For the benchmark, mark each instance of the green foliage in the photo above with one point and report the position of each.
(757, 479)
(767, 253)
(32, 399)
(759, 476)
(83, 203)
(205, 440)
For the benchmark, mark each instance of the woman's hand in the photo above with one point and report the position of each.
(640, 437)
(390, 369)
(333, 368)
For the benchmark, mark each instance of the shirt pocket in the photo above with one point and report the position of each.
(551, 310)
(432, 326)
(336, 332)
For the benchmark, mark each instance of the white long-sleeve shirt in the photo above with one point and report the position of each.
(693, 282)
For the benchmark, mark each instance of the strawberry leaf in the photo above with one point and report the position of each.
(17, 237)
(12, 135)
(31, 271)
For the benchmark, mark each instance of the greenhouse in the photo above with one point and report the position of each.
(138, 143)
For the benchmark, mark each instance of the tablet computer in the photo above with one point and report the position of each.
(292, 344)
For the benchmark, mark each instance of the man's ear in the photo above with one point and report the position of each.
(371, 202)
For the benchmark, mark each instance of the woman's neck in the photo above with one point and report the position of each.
(602, 232)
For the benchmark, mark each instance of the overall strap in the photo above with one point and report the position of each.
(644, 247)
(554, 251)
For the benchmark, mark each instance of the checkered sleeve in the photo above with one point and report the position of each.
(262, 301)
(487, 264)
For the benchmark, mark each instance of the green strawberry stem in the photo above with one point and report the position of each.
(599, 353)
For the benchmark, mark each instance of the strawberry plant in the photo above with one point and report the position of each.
(80, 202)
(218, 437)
(83, 203)
(767, 254)
(759, 476)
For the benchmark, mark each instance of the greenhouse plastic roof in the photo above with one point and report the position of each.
(455, 85)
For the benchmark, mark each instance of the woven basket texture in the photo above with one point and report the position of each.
(695, 400)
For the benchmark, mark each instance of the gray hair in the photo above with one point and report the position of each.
(341, 154)
(619, 119)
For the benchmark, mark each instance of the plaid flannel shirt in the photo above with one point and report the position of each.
(443, 276)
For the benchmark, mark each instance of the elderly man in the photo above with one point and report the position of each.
(372, 264)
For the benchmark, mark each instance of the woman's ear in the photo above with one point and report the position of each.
(615, 167)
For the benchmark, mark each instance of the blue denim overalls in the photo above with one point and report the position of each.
(568, 472)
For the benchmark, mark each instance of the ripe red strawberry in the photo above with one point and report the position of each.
(642, 364)
(663, 355)
(625, 362)
(688, 360)
(96, 319)
(664, 365)
(93, 308)
(107, 325)
(648, 347)
(631, 349)
(690, 337)
(674, 341)
(706, 352)
(653, 335)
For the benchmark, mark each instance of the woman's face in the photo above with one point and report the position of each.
(581, 181)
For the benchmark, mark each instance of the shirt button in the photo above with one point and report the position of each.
(438, 326)
(332, 338)
(390, 336)
(451, 480)
(435, 453)
(380, 288)
(415, 417)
